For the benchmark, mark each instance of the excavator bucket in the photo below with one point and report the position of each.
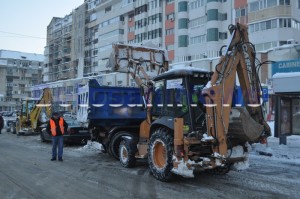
(242, 127)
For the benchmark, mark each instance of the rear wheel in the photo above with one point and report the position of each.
(161, 154)
(12, 128)
(18, 127)
(115, 143)
(127, 152)
(42, 137)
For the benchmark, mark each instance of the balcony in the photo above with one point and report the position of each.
(268, 13)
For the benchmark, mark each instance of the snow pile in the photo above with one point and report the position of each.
(208, 85)
(289, 152)
(271, 124)
(206, 138)
(91, 147)
(183, 170)
(285, 153)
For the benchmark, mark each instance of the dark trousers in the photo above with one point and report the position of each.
(57, 146)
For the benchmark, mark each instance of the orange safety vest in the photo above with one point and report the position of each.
(53, 126)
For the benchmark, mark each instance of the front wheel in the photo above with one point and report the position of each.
(127, 150)
(161, 154)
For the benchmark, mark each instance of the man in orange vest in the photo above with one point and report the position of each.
(57, 127)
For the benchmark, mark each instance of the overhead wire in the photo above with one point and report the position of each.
(20, 35)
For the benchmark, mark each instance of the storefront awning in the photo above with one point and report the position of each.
(286, 82)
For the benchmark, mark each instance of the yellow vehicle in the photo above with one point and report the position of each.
(182, 133)
(29, 118)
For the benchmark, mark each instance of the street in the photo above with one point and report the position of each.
(27, 172)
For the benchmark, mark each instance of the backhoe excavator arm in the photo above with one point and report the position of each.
(45, 101)
(143, 63)
(238, 59)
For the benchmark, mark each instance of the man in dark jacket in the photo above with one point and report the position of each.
(56, 127)
(1, 122)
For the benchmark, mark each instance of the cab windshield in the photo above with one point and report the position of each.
(177, 98)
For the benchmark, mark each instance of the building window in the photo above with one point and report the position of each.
(222, 16)
(298, 4)
(183, 41)
(254, 6)
(120, 83)
(170, 47)
(212, 15)
(196, 4)
(197, 22)
(285, 23)
(132, 82)
(271, 3)
(198, 39)
(182, 6)
(222, 35)
(171, 16)
(212, 34)
(183, 23)
(284, 2)
(107, 9)
(170, 31)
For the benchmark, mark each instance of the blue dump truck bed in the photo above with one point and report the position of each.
(107, 105)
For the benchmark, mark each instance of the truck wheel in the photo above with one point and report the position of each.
(42, 137)
(12, 128)
(18, 128)
(115, 143)
(127, 151)
(160, 154)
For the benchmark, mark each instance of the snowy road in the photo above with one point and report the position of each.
(27, 172)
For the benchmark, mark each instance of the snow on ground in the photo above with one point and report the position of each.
(287, 153)
(91, 146)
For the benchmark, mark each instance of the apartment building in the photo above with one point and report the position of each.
(19, 71)
(272, 23)
(79, 44)
(189, 30)
(64, 49)
(192, 32)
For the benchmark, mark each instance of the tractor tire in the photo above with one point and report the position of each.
(160, 154)
(127, 150)
(115, 143)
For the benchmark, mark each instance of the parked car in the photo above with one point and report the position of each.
(10, 122)
(76, 134)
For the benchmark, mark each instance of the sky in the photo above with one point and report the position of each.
(23, 23)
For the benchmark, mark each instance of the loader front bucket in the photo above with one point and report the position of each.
(242, 127)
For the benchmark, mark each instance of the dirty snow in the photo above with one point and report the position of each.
(281, 153)
(91, 146)
(182, 168)
(206, 138)
(285, 153)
